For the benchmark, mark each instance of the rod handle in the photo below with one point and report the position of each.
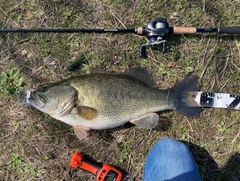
(184, 30)
(230, 30)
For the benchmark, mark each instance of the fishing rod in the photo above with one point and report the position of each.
(155, 31)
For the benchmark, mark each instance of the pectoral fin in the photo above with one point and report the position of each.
(81, 132)
(87, 113)
(148, 121)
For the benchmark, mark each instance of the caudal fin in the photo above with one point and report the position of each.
(181, 89)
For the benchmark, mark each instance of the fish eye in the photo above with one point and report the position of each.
(44, 89)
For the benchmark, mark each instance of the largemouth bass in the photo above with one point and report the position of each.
(103, 101)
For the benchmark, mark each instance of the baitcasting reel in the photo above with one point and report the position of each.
(155, 31)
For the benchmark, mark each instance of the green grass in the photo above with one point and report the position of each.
(11, 82)
(36, 146)
(17, 164)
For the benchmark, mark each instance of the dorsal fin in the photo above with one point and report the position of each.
(98, 70)
(141, 74)
(137, 73)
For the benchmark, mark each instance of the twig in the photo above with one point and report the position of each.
(238, 134)
(225, 83)
(225, 66)
(206, 65)
(191, 128)
(119, 20)
(213, 83)
(235, 66)
(204, 6)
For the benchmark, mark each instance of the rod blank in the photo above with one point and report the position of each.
(67, 30)
(139, 30)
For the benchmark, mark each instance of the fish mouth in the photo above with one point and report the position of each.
(34, 100)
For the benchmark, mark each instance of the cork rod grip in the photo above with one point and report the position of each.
(140, 30)
(184, 30)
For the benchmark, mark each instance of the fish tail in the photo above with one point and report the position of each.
(181, 90)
